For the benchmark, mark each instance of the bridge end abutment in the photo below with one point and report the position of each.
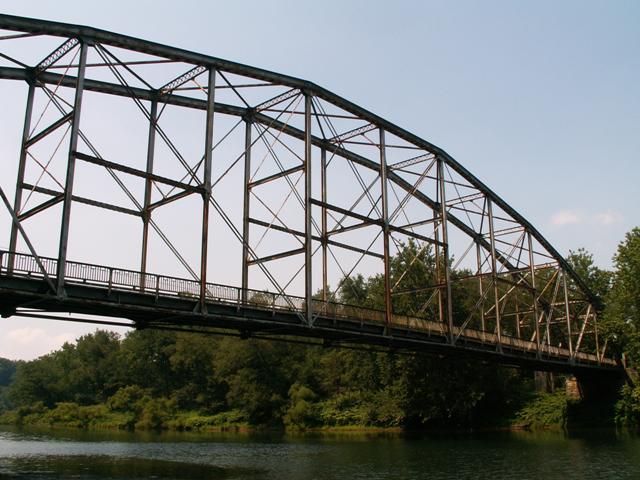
(594, 388)
(591, 399)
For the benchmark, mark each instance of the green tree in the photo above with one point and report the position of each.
(302, 410)
(88, 374)
(145, 360)
(354, 290)
(622, 314)
(37, 381)
(82, 373)
(596, 279)
(7, 370)
(191, 361)
(257, 376)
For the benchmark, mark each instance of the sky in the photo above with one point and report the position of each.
(539, 100)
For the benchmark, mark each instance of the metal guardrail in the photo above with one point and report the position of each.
(23, 265)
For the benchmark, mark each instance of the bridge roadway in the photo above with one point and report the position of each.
(157, 301)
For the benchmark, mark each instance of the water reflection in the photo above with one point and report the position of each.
(48, 454)
(106, 467)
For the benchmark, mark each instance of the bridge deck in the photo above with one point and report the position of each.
(151, 300)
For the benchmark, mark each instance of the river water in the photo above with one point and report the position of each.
(54, 454)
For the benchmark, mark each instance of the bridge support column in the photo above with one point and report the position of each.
(494, 273)
(246, 207)
(308, 278)
(17, 204)
(146, 214)
(385, 232)
(483, 324)
(445, 249)
(71, 166)
(323, 183)
(567, 311)
(206, 195)
(532, 271)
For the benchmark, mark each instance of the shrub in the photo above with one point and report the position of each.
(546, 410)
(302, 411)
(628, 407)
(128, 399)
(155, 414)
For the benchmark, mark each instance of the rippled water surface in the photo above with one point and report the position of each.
(87, 455)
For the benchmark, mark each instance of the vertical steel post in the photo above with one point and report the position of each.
(549, 316)
(71, 166)
(385, 229)
(323, 181)
(518, 332)
(146, 213)
(436, 235)
(17, 204)
(494, 272)
(480, 287)
(206, 195)
(532, 270)
(567, 311)
(595, 330)
(308, 279)
(246, 210)
(445, 248)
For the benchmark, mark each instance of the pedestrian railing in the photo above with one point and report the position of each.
(111, 278)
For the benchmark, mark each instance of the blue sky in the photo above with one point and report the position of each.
(540, 100)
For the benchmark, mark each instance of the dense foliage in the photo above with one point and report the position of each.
(7, 371)
(622, 321)
(153, 379)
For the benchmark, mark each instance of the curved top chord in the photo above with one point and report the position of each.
(36, 26)
(409, 190)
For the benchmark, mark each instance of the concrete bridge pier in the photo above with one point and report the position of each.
(594, 388)
(591, 399)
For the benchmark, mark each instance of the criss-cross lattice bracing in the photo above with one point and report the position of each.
(235, 175)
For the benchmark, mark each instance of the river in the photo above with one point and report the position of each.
(49, 454)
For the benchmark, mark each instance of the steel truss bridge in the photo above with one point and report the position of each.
(276, 182)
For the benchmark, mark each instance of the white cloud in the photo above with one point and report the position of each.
(566, 217)
(609, 217)
(25, 336)
(574, 217)
(30, 342)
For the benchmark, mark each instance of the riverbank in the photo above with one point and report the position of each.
(540, 411)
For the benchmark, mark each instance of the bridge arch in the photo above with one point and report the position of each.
(336, 188)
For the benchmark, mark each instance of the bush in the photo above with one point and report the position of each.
(128, 399)
(628, 407)
(302, 411)
(155, 413)
(348, 408)
(66, 413)
(30, 414)
(198, 421)
(546, 410)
